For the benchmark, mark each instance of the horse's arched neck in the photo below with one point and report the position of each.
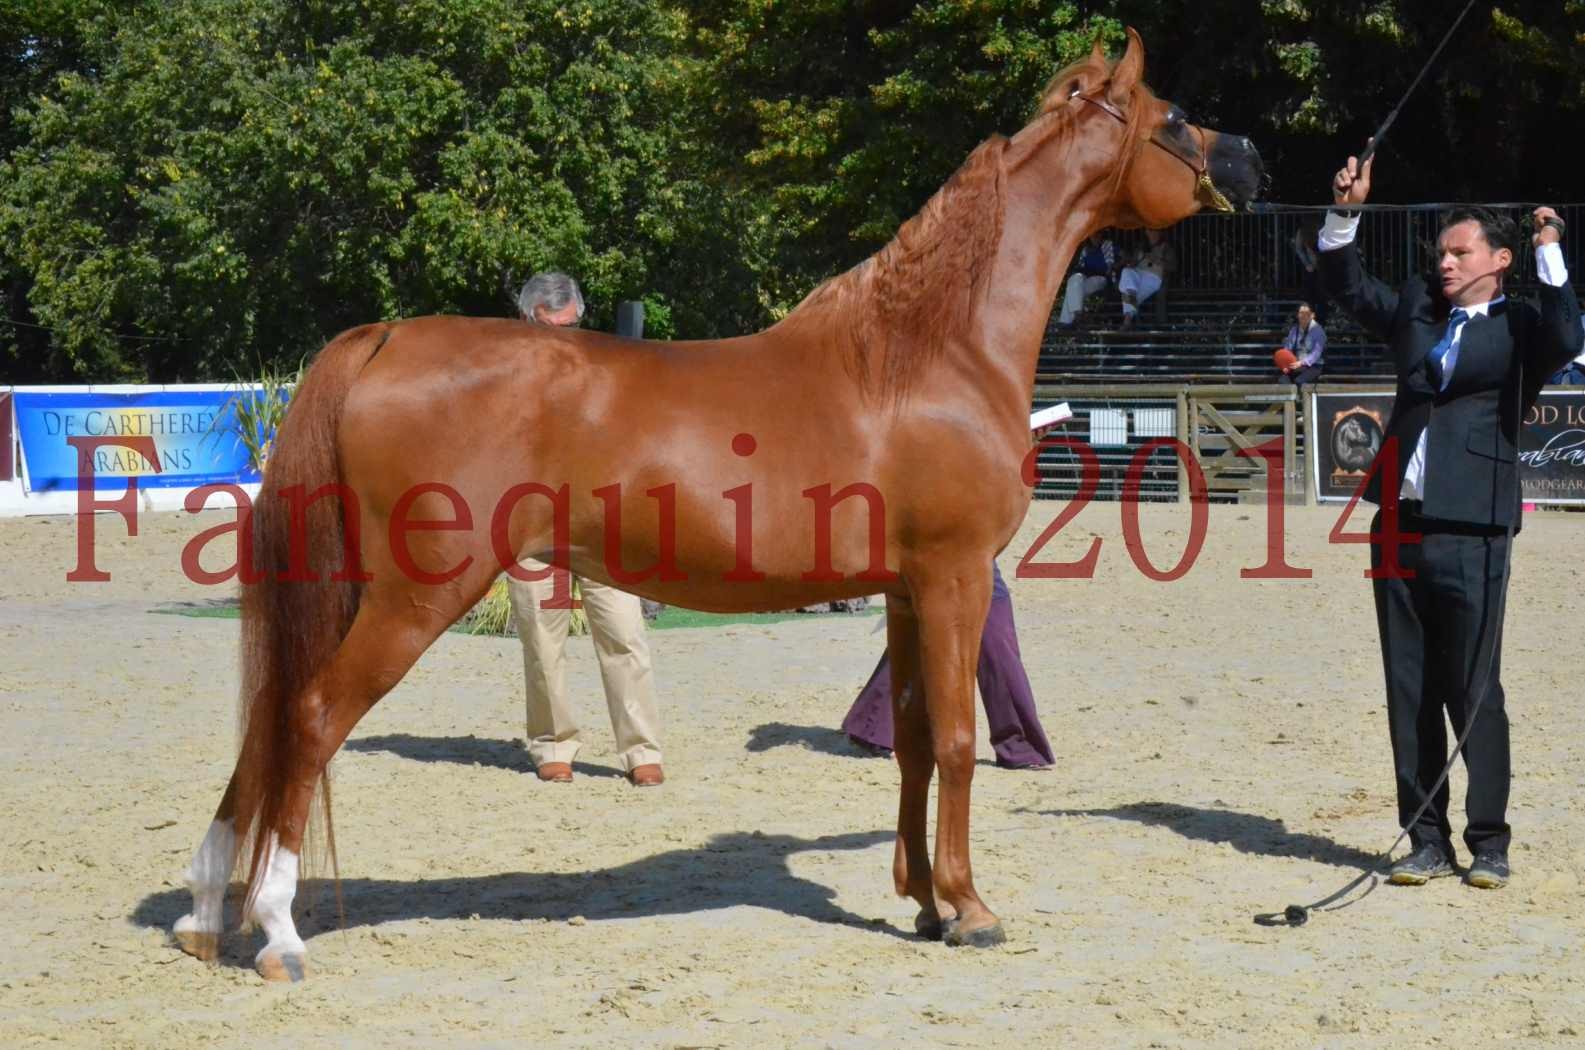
(1053, 204)
(1055, 197)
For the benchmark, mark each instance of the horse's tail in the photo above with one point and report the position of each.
(294, 612)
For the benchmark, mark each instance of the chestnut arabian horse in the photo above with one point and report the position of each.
(421, 457)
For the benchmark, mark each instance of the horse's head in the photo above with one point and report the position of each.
(1165, 168)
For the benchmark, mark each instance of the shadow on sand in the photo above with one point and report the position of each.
(733, 869)
(823, 739)
(510, 755)
(1245, 832)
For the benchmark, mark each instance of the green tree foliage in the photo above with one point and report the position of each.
(196, 183)
(1311, 80)
(846, 117)
(39, 40)
(220, 179)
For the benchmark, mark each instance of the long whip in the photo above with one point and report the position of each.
(1381, 132)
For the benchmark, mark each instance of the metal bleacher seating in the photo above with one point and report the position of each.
(1199, 336)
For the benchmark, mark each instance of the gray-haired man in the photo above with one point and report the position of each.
(616, 621)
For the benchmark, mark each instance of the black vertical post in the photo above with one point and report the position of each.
(630, 319)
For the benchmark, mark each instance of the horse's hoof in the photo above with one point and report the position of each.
(928, 925)
(199, 945)
(292, 966)
(984, 937)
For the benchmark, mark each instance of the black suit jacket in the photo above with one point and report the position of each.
(1471, 469)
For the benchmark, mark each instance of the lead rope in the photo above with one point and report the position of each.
(1299, 914)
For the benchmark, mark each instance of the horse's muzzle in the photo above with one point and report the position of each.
(1235, 169)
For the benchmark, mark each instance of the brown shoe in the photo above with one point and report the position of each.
(647, 776)
(555, 772)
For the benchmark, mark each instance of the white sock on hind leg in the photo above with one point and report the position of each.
(207, 877)
(272, 908)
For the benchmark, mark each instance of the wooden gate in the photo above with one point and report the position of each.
(1227, 420)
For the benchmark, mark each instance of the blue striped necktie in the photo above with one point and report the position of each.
(1439, 352)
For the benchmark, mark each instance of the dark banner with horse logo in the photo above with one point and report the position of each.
(7, 470)
(1349, 429)
(1348, 432)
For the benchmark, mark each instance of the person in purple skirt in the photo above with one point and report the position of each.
(1016, 736)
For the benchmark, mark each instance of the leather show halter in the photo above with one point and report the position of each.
(1196, 164)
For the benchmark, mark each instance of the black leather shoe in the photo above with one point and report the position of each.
(1489, 870)
(1424, 864)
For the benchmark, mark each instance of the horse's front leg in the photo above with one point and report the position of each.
(951, 610)
(911, 743)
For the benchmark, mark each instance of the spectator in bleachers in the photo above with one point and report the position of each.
(1306, 340)
(1146, 275)
(1095, 267)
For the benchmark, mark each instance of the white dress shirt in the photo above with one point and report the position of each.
(1339, 230)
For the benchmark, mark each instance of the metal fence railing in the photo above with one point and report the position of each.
(1117, 428)
(1254, 252)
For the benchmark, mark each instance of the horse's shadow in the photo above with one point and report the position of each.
(735, 868)
(465, 751)
(1245, 832)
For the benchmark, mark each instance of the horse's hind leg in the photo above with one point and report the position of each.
(911, 744)
(389, 634)
(198, 932)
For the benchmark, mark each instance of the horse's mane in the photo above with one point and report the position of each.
(896, 310)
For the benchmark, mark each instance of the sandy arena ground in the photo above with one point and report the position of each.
(1222, 751)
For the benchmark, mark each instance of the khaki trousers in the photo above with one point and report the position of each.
(1079, 286)
(616, 622)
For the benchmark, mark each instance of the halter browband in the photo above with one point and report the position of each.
(1203, 183)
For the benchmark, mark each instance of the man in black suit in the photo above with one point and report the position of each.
(1470, 363)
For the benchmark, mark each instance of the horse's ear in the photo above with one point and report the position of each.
(1087, 76)
(1129, 71)
(1082, 79)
